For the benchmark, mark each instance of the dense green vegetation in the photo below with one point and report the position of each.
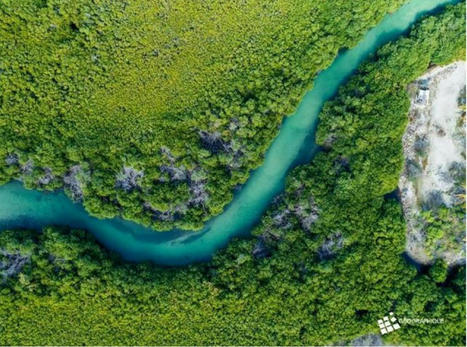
(156, 110)
(325, 265)
(445, 228)
(73, 292)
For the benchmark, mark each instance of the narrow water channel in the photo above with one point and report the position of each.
(21, 208)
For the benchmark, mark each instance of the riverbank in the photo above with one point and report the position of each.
(322, 281)
(295, 144)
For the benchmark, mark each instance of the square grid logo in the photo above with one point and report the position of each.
(388, 324)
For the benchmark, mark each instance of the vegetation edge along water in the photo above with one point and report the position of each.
(33, 209)
(325, 265)
(156, 111)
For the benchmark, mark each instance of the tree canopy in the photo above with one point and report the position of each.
(157, 110)
(325, 264)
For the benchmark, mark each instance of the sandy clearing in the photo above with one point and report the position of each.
(434, 148)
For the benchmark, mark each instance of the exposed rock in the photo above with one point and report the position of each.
(128, 178)
(47, 177)
(12, 263)
(11, 159)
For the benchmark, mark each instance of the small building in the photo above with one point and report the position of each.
(423, 96)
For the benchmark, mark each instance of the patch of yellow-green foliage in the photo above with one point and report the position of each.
(156, 110)
(327, 261)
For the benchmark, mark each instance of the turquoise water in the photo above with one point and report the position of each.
(21, 208)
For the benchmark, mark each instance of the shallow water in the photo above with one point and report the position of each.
(21, 208)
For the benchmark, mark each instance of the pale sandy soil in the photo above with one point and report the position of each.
(434, 148)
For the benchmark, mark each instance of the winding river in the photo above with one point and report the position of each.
(22, 208)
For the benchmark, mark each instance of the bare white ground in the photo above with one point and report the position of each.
(434, 149)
